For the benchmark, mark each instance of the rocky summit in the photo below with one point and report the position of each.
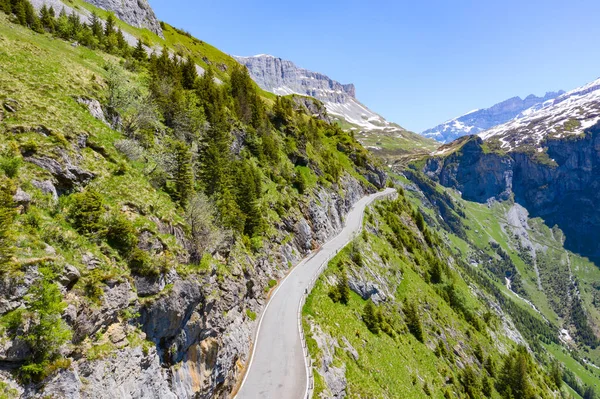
(479, 120)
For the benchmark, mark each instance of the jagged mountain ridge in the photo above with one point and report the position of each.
(566, 115)
(283, 77)
(479, 120)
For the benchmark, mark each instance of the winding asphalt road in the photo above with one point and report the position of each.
(277, 368)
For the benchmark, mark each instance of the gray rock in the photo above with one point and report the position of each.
(90, 319)
(167, 316)
(69, 275)
(147, 286)
(94, 107)
(137, 13)
(22, 198)
(335, 377)
(11, 105)
(349, 348)
(46, 187)
(90, 261)
(126, 374)
(14, 289)
(367, 290)
(65, 384)
(67, 174)
(14, 350)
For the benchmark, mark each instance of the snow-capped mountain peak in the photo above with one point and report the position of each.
(570, 113)
(478, 120)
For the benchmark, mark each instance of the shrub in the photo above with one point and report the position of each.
(10, 165)
(140, 264)
(251, 315)
(340, 292)
(121, 234)
(86, 211)
(413, 321)
(371, 317)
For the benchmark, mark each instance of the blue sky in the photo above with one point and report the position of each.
(418, 63)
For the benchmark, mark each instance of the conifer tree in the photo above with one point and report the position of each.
(370, 317)
(183, 176)
(47, 19)
(20, 12)
(139, 53)
(109, 25)
(188, 73)
(413, 321)
(343, 288)
(7, 215)
(96, 26)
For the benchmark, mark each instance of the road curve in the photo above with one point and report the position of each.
(277, 368)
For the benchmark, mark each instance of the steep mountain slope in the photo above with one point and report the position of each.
(429, 303)
(146, 211)
(385, 138)
(479, 120)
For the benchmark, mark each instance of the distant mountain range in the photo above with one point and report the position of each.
(479, 120)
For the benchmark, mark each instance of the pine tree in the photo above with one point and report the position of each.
(20, 12)
(86, 211)
(75, 26)
(139, 53)
(6, 6)
(249, 191)
(109, 25)
(122, 43)
(96, 26)
(33, 21)
(183, 176)
(47, 18)
(370, 317)
(188, 74)
(413, 321)
(62, 24)
(343, 288)
(7, 215)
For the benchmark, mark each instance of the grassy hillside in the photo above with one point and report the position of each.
(436, 333)
(121, 168)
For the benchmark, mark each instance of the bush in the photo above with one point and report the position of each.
(371, 317)
(251, 315)
(10, 166)
(413, 321)
(121, 235)
(340, 292)
(86, 211)
(140, 264)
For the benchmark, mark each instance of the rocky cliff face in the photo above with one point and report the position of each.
(483, 119)
(547, 158)
(562, 186)
(136, 13)
(283, 77)
(200, 325)
(477, 175)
